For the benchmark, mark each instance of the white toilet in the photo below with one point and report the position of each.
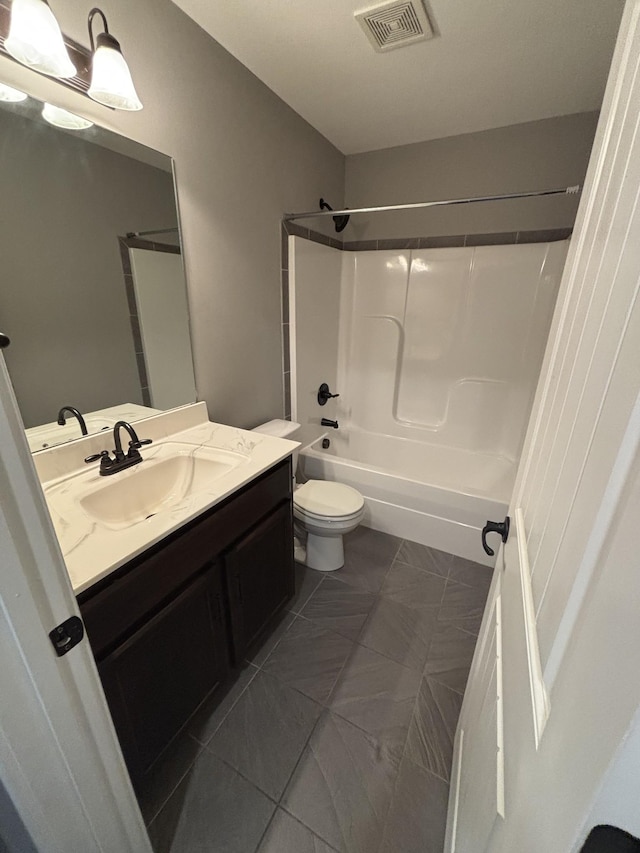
(326, 510)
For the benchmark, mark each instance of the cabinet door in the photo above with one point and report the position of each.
(159, 676)
(260, 577)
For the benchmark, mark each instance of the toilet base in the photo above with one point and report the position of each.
(325, 553)
(299, 550)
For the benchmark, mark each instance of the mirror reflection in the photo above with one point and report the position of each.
(93, 292)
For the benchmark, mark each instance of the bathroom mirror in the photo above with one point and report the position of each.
(93, 293)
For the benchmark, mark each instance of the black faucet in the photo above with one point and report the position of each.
(325, 394)
(120, 460)
(76, 414)
(328, 423)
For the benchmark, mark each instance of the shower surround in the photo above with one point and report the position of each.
(436, 355)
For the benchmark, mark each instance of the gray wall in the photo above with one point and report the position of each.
(536, 155)
(63, 302)
(242, 158)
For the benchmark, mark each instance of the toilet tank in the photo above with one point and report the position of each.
(281, 429)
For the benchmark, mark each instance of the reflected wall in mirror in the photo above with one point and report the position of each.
(98, 319)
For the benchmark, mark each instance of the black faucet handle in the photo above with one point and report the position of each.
(325, 394)
(95, 456)
(106, 462)
(140, 442)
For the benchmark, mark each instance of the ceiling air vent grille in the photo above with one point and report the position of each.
(395, 24)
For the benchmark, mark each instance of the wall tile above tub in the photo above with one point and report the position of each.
(499, 238)
(503, 238)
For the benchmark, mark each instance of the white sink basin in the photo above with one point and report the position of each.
(158, 483)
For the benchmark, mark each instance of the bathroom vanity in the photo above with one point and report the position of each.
(172, 602)
(167, 627)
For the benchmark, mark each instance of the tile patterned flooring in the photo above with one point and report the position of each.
(337, 737)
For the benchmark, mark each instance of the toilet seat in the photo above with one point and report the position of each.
(321, 499)
(310, 517)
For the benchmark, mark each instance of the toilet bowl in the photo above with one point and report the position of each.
(327, 511)
(324, 509)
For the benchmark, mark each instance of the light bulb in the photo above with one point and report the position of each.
(36, 41)
(65, 119)
(10, 95)
(111, 82)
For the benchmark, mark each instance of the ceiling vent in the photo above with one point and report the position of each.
(395, 24)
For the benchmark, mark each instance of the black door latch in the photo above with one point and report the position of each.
(501, 527)
(67, 635)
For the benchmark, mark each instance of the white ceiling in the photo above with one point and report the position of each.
(494, 63)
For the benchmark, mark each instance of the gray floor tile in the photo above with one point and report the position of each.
(471, 574)
(307, 581)
(399, 632)
(422, 557)
(279, 628)
(342, 787)
(309, 658)
(413, 587)
(377, 695)
(365, 539)
(417, 818)
(462, 606)
(166, 775)
(210, 716)
(287, 835)
(339, 607)
(433, 728)
(368, 556)
(450, 656)
(265, 733)
(213, 810)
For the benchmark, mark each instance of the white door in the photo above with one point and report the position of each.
(60, 763)
(554, 686)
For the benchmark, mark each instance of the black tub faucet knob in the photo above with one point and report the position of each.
(325, 394)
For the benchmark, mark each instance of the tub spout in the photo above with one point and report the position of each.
(326, 422)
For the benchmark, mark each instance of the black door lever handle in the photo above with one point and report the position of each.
(501, 527)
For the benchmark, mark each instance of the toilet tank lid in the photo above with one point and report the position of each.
(278, 427)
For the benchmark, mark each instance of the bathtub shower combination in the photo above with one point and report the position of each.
(435, 354)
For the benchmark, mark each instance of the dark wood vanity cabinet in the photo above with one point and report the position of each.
(256, 593)
(168, 628)
(157, 678)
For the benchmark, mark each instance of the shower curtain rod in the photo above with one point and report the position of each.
(146, 233)
(565, 191)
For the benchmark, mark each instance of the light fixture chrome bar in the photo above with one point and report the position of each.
(422, 204)
(146, 233)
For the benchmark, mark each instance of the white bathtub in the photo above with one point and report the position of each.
(438, 496)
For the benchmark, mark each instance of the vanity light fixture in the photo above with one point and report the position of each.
(35, 39)
(111, 82)
(10, 95)
(63, 118)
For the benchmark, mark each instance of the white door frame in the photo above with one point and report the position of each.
(60, 761)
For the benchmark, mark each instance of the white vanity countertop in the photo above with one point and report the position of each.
(92, 549)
